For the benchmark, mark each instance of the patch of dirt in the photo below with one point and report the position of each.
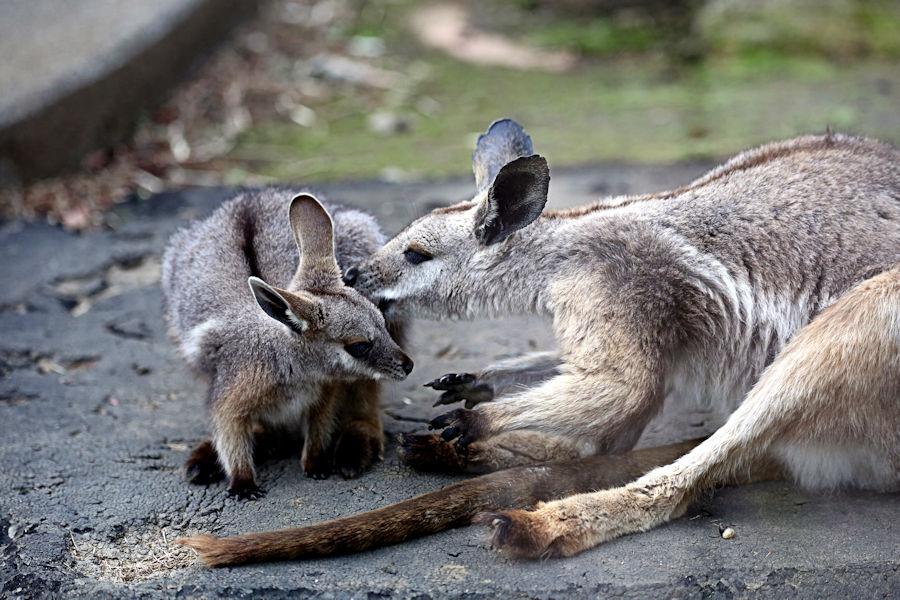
(135, 554)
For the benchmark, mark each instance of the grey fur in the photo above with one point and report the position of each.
(690, 292)
(278, 366)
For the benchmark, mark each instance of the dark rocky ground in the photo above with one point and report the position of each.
(97, 415)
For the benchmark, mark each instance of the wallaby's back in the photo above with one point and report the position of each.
(249, 235)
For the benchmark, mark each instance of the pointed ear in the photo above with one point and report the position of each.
(504, 141)
(516, 198)
(297, 311)
(314, 234)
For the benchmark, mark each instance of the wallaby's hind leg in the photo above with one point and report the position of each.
(360, 441)
(501, 378)
(430, 452)
(321, 423)
(202, 466)
(234, 400)
(233, 439)
(835, 385)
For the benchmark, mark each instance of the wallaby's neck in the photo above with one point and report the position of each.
(515, 276)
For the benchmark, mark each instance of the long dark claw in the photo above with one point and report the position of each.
(245, 493)
(462, 444)
(441, 421)
(451, 381)
(461, 386)
(450, 433)
(449, 397)
(463, 425)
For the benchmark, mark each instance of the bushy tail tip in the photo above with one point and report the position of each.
(210, 549)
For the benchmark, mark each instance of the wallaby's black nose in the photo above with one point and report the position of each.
(350, 276)
(407, 365)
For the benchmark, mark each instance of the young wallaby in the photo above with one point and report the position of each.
(772, 280)
(301, 357)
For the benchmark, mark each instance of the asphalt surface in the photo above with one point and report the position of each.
(97, 416)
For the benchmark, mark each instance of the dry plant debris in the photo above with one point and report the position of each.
(291, 57)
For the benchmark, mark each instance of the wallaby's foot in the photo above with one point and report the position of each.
(428, 452)
(317, 474)
(571, 525)
(359, 447)
(202, 466)
(462, 424)
(316, 465)
(539, 533)
(461, 386)
(245, 489)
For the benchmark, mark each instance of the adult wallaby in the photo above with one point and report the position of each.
(772, 280)
(304, 356)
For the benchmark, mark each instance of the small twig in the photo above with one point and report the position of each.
(74, 545)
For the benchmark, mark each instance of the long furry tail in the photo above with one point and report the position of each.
(452, 506)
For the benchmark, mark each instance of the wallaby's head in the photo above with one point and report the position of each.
(341, 332)
(428, 268)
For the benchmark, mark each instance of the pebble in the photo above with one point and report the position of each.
(727, 533)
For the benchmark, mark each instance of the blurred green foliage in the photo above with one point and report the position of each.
(752, 72)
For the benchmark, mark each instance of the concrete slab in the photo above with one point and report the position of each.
(97, 415)
(75, 74)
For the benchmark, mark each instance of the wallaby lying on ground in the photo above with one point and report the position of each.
(774, 278)
(304, 357)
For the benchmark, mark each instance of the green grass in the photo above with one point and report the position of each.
(631, 107)
(596, 37)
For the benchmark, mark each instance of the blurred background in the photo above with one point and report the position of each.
(228, 92)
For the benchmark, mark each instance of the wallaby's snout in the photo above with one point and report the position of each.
(396, 365)
(406, 364)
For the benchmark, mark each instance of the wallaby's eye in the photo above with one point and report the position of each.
(414, 254)
(358, 349)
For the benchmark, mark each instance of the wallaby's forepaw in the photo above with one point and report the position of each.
(531, 534)
(462, 424)
(428, 452)
(245, 491)
(357, 450)
(461, 386)
(202, 466)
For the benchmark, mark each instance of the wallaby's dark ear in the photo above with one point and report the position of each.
(503, 142)
(297, 311)
(516, 198)
(314, 234)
